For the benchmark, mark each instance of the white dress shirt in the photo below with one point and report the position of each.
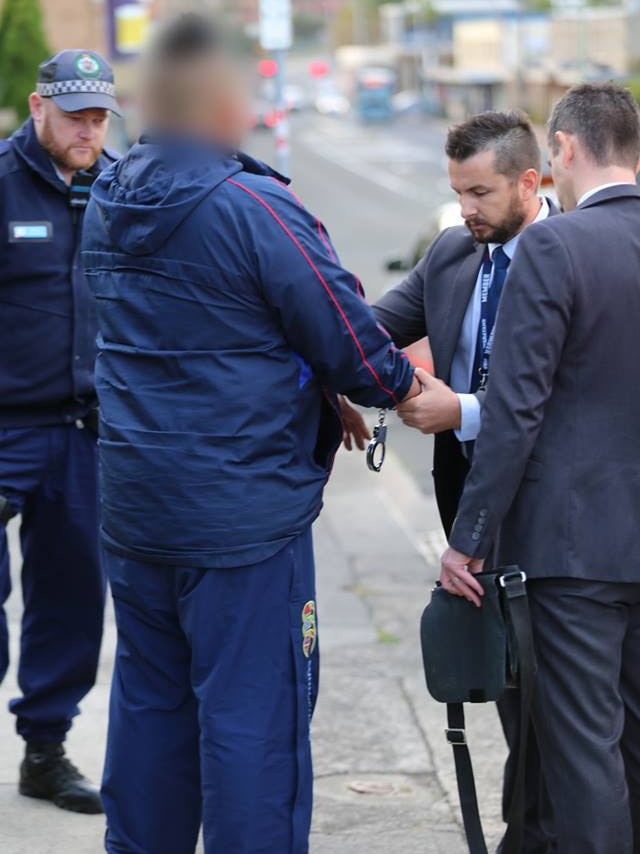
(464, 357)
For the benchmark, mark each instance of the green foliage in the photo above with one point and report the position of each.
(23, 47)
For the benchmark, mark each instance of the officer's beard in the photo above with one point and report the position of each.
(486, 232)
(66, 158)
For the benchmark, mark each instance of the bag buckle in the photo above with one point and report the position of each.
(456, 737)
(512, 576)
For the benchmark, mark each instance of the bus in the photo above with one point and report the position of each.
(375, 88)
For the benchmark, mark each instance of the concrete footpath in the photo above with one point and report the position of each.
(384, 774)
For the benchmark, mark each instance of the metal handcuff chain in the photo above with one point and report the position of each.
(377, 446)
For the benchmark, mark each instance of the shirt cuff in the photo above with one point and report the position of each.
(470, 411)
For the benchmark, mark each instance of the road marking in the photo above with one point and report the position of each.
(361, 156)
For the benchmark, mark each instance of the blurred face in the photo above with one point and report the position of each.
(205, 97)
(493, 206)
(230, 112)
(72, 140)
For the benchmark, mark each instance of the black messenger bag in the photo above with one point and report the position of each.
(473, 655)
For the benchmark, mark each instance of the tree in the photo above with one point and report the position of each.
(23, 47)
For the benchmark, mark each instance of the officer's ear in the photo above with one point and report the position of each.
(36, 107)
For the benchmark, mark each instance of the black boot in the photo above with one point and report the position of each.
(46, 773)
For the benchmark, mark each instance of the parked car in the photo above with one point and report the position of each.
(446, 216)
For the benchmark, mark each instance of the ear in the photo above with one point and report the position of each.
(529, 182)
(36, 106)
(566, 144)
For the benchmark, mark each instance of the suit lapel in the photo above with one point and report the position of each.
(444, 333)
(458, 296)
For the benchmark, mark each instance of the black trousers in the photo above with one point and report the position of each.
(587, 711)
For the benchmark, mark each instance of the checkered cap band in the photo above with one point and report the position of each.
(72, 87)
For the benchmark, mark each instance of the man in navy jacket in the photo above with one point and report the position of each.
(48, 470)
(227, 328)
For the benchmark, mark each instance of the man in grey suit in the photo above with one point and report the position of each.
(452, 296)
(555, 481)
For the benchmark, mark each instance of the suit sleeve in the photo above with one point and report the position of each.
(531, 329)
(320, 305)
(402, 310)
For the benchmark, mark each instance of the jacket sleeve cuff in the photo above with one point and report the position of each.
(473, 535)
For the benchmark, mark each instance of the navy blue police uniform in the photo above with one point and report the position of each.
(227, 326)
(48, 445)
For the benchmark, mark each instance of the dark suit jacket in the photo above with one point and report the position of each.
(432, 301)
(556, 467)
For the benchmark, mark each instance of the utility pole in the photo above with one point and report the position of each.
(276, 36)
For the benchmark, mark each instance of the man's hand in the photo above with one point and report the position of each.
(354, 429)
(456, 575)
(436, 409)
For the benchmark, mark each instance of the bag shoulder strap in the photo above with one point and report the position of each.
(517, 615)
(457, 737)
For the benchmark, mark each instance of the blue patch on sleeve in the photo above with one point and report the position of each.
(305, 370)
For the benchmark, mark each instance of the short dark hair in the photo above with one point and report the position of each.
(604, 117)
(509, 134)
(185, 37)
(174, 62)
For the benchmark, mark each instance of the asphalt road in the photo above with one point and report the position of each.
(376, 188)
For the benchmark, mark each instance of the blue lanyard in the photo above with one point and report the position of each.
(494, 273)
(487, 320)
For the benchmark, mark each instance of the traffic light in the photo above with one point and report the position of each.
(267, 68)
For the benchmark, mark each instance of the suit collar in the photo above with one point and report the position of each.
(554, 210)
(619, 191)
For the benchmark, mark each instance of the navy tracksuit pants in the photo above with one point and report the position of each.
(214, 687)
(49, 475)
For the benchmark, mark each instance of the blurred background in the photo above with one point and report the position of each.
(352, 98)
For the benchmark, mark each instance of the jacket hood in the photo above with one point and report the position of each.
(145, 197)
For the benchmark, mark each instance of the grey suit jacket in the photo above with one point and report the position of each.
(432, 301)
(556, 469)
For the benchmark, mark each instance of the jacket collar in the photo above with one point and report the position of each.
(28, 148)
(619, 191)
(184, 144)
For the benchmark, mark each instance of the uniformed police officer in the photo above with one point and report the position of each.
(47, 409)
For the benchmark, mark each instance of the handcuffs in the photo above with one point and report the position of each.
(377, 446)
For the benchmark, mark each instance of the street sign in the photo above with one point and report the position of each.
(128, 27)
(276, 28)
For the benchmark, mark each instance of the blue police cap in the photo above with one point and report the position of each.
(78, 80)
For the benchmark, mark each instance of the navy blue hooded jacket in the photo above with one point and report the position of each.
(227, 326)
(47, 313)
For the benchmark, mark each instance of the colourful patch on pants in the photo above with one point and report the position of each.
(309, 630)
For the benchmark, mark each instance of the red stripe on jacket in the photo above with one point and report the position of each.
(323, 281)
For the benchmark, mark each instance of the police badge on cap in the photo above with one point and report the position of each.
(78, 80)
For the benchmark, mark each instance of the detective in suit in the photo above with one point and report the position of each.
(556, 469)
(452, 296)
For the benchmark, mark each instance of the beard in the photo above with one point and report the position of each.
(67, 158)
(486, 232)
